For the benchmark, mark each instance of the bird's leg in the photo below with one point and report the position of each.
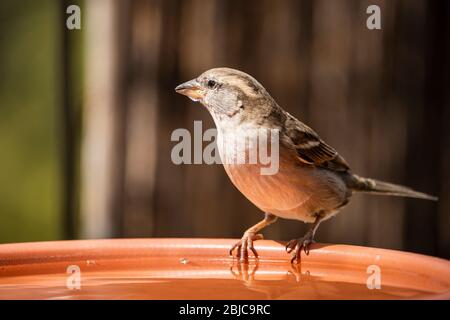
(251, 235)
(296, 245)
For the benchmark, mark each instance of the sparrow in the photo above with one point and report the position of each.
(313, 181)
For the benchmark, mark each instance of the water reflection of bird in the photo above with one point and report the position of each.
(273, 280)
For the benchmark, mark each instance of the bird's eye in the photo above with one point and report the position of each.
(211, 84)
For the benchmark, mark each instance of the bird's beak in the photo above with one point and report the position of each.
(191, 89)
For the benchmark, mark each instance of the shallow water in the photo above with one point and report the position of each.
(206, 278)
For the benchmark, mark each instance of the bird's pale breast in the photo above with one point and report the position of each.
(297, 191)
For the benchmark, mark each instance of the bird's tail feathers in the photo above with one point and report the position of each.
(373, 186)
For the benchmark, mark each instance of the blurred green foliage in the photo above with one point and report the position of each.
(30, 171)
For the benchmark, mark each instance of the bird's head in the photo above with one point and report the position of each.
(226, 92)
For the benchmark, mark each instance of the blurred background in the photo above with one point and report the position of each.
(86, 115)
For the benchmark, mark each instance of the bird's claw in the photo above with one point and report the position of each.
(244, 244)
(296, 245)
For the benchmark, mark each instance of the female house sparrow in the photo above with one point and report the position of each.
(313, 181)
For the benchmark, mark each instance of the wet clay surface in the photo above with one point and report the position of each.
(201, 269)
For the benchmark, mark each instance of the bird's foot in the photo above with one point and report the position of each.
(244, 244)
(296, 245)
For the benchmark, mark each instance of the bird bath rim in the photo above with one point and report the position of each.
(153, 268)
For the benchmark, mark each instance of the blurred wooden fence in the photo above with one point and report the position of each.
(380, 97)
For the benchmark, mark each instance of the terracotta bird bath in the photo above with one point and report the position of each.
(198, 268)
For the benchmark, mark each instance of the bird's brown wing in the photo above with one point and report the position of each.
(311, 149)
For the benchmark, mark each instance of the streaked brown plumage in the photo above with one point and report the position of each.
(313, 181)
